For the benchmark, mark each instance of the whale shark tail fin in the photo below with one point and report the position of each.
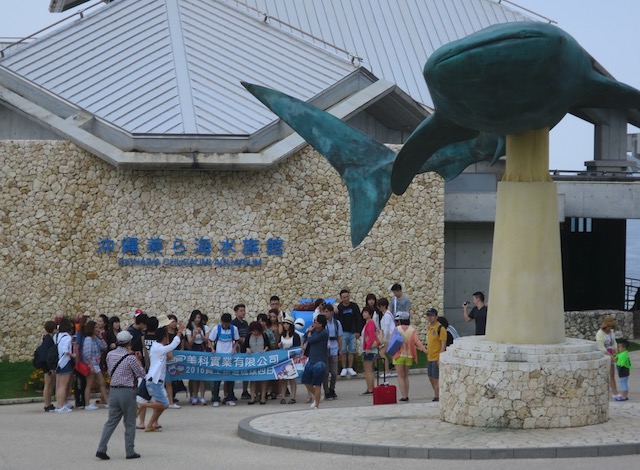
(364, 164)
(433, 134)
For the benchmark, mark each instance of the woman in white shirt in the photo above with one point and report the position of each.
(387, 324)
(65, 364)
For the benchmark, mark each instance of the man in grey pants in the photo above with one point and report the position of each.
(125, 369)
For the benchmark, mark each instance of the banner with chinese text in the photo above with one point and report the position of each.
(271, 365)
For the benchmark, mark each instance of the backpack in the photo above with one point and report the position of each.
(39, 360)
(52, 355)
(395, 342)
(449, 336)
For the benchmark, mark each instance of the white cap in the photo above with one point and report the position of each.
(124, 337)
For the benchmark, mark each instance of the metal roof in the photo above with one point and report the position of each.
(174, 66)
(393, 37)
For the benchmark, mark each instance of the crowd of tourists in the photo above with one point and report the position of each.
(351, 330)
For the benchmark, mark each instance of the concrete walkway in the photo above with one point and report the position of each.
(355, 432)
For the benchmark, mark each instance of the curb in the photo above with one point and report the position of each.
(246, 432)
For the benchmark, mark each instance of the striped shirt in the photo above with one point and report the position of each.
(127, 371)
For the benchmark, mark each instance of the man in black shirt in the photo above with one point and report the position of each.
(477, 313)
(241, 324)
(137, 331)
(349, 315)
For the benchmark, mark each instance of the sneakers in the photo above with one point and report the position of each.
(245, 396)
(174, 406)
(621, 398)
(102, 455)
(106, 406)
(392, 374)
(193, 401)
(202, 401)
(64, 409)
(351, 372)
(344, 372)
(216, 404)
(313, 405)
(90, 407)
(49, 408)
(231, 403)
(331, 395)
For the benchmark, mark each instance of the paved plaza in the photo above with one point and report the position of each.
(31, 439)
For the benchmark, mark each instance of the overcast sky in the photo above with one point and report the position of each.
(607, 29)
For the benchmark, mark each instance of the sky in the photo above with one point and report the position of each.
(605, 28)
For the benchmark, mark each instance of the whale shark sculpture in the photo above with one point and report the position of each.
(504, 79)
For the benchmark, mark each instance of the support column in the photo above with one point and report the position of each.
(526, 303)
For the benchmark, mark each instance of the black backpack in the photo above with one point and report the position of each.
(449, 336)
(52, 356)
(40, 354)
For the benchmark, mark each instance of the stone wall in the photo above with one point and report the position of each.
(58, 201)
(585, 324)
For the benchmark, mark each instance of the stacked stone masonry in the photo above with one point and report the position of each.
(487, 384)
(58, 201)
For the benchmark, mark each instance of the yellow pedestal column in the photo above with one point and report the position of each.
(526, 304)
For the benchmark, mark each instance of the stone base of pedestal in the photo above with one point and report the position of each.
(526, 386)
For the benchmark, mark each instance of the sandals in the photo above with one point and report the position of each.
(283, 401)
(292, 401)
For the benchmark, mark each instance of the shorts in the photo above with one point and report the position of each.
(624, 387)
(403, 361)
(369, 356)
(433, 370)
(349, 342)
(65, 370)
(313, 374)
(158, 393)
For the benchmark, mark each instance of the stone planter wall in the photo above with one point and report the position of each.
(585, 324)
(57, 202)
(523, 386)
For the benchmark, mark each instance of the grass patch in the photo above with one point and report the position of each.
(633, 346)
(14, 377)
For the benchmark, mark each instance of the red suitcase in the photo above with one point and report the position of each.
(384, 394)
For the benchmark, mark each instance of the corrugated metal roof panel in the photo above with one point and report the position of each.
(394, 37)
(174, 66)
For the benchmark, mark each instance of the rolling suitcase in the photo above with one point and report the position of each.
(384, 394)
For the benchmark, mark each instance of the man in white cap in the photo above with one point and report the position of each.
(124, 368)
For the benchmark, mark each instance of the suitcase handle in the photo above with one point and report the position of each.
(384, 372)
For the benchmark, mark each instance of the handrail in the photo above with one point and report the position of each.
(631, 287)
(51, 26)
(549, 20)
(266, 17)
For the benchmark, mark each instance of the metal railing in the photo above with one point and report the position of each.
(32, 36)
(631, 287)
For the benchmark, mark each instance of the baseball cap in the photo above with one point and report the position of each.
(137, 312)
(432, 311)
(124, 337)
(402, 316)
